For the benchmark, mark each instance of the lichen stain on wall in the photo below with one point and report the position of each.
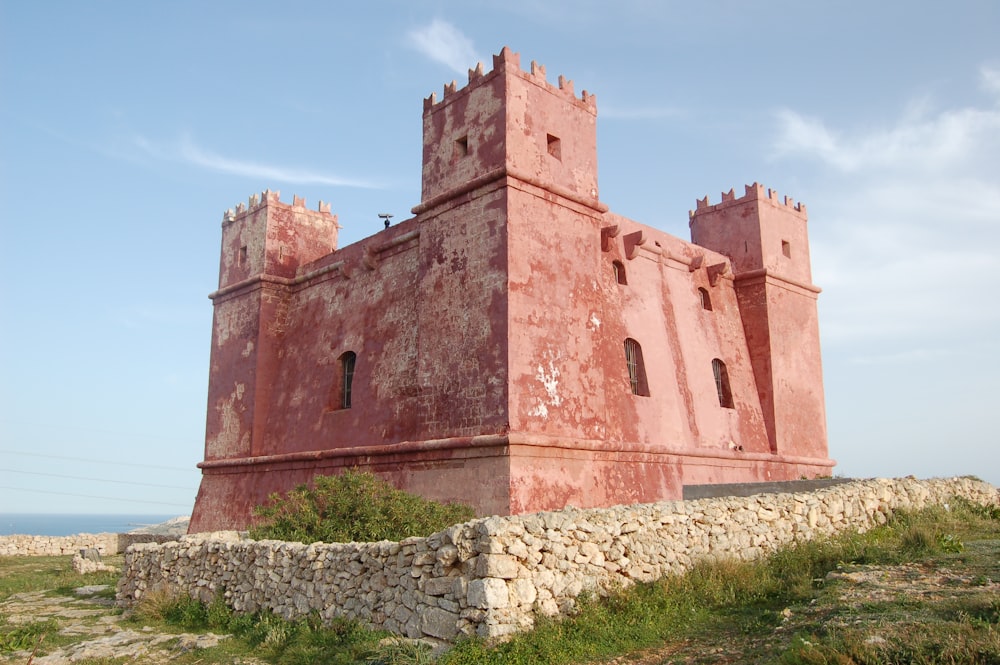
(231, 440)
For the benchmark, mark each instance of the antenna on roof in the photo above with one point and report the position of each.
(385, 217)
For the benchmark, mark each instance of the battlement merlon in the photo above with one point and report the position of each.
(509, 60)
(754, 192)
(272, 197)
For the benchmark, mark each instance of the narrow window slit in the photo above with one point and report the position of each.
(636, 368)
(722, 384)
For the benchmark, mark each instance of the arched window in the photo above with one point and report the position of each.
(346, 378)
(722, 384)
(619, 269)
(636, 368)
(706, 300)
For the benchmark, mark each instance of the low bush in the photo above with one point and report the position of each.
(353, 506)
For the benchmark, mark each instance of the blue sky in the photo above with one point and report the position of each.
(128, 128)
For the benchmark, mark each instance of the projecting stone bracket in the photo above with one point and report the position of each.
(633, 241)
(717, 270)
(607, 233)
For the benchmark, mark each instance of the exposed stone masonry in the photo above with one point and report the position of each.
(23, 545)
(493, 576)
(104, 543)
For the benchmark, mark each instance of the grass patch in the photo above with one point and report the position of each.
(21, 574)
(782, 609)
(739, 612)
(25, 636)
(264, 634)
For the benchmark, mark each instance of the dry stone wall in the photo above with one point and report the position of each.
(23, 545)
(105, 543)
(493, 576)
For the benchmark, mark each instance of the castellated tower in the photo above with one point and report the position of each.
(514, 345)
(766, 240)
(263, 244)
(510, 122)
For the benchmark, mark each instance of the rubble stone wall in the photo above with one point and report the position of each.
(24, 545)
(493, 576)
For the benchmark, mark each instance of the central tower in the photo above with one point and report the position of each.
(509, 122)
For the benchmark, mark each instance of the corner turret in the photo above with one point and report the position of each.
(268, 237)
(757, 231)
(767, 242)
(263, 244)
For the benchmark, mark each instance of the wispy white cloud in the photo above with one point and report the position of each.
(444, 43)
(903, 233)
(990, 79)
(933, 143)
(187, 150)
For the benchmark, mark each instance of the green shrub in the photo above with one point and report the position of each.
(353, 506)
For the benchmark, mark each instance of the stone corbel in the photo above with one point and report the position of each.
(633, 241)
(717, 270)
(607, 233)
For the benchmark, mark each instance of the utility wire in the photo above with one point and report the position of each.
(92, 496)
(100, 480)
(97, 461)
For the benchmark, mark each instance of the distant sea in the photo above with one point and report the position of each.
(68, 525)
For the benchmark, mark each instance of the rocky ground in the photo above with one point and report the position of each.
(876, 606)
(87, 627)
(92, 628)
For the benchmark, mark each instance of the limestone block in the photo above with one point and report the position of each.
(523, 592)
(488, 593)
(449, 605)
(496, 565)
(438, 586)
(439, 623)
(447, 555)
(425, 558)
(518, 549)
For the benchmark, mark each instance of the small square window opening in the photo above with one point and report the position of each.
(554, 146)
(462, 146)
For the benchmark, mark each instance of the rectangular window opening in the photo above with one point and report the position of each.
(786, 249)
(462, 146)
(554, 146)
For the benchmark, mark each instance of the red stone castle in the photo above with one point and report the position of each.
(514, 345)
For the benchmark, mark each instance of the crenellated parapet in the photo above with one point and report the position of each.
(754, 192)
(509, 60)
(266, 197)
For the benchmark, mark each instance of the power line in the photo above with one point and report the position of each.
(100, 480)
(97, 461)
(92, 496)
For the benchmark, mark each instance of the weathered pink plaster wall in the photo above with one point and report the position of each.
(490, 329)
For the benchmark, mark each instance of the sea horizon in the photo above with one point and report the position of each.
(68, 524)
